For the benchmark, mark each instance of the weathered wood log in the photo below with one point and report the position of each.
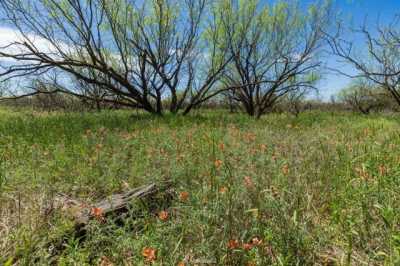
(153, 196)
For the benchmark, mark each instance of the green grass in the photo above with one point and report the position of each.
(320, 189)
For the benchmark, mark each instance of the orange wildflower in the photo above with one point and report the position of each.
(247, 246)
(285, 169)
(218, 163)
(104, 261)
(150, 254)
(163, 215)
(250, 137)
(248, 182)
(221, 146)
(184, 195)
(222, 190)
(362, 173)
(233, 244)
(181, 263)
(97, 213)
(382, 170)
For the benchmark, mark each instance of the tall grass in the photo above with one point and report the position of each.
(320, 189)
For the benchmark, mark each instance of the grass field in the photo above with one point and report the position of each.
(320, 189)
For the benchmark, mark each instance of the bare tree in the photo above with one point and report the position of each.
(295, 101)
(379, 61)
(275, 50)
(89, 95)
(364, 97)
(3, 87)
(230, 100)
(189, 60)
(129, 53)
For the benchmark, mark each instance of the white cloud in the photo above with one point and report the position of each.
(9, 36)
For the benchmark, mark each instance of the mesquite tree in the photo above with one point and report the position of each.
(275, 50)
(135, 52)
(364, 96)
(379, 61)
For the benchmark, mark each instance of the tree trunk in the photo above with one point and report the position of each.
(249, 107)
(174, 102)
(188, 109)
(159, 107)
(118, 206)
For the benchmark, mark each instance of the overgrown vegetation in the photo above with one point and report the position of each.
(319, 189)
(257, 174)
(364, 97)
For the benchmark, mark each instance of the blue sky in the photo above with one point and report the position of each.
(356, 12)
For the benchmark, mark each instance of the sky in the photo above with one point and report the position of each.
(354, 11)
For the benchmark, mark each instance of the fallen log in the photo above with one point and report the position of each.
(117, 207)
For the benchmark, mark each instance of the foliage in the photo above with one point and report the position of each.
(137, 54)
(276, 51)
(121, 52)
(364, 97)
